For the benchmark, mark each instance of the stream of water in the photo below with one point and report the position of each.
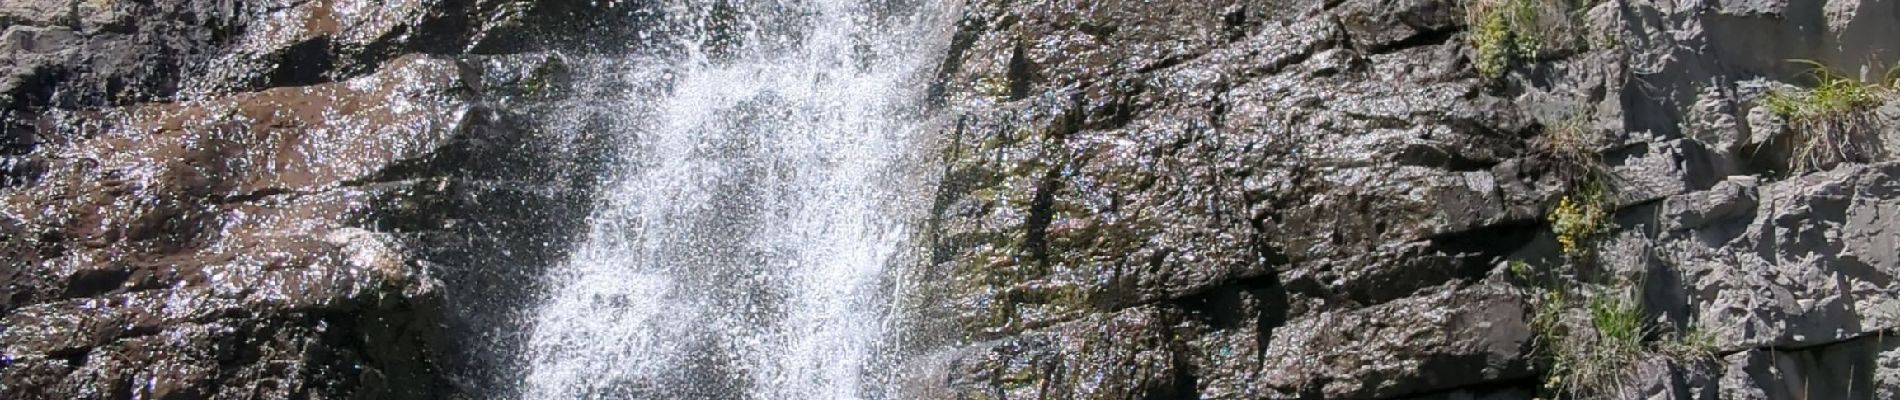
(747, 237)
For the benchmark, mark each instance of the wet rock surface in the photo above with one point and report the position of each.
(286, 243)
(1327, 199)
(314, 199)
(1141, 200)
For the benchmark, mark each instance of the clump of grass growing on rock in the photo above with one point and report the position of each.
(1572, 148)
(1693, 343)
(1591, 337)
(1824, 118)
(1590, 331)
(1582, 215)
(1593, 357)
(1618, 321)
(1505, 32)
(1496, 34)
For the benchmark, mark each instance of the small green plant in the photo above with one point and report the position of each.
(1547, 319)
(1500, 35)
(1823, 117)
(1693, 343)
(1608, 39)
(1505, 32)
(542, 79)
(1491, 36)
(1590, 360)
(1580, 218)
(1582, 215)
(1618, 320)
(1571, 145)
(1520, 270)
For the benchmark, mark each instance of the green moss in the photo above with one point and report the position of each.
(1520, 269)
(994, 86)
(1021, 377)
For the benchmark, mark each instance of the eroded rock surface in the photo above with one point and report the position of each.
(277, 199)
(1141, 200)
(1305, 199)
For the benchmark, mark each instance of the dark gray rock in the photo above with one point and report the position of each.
(1664, 377)
(1302, 187)
(1792, 264)
(1887, 374)
(1733, 199)
(1508, 393)
(1132, 354)
(1844, 370)
(1453, 338)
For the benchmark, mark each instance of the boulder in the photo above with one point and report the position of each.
(283, 243)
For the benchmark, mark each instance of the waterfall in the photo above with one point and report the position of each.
(746, 236)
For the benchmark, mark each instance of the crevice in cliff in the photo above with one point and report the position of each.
(1280, 64)
(1422, 155)
(1863, 335)
(1424, 38)
(1020, 73)
(259, 195)
(968, 30)
(1484, 390)
(1041, 214)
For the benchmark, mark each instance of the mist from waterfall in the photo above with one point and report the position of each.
(747, 236)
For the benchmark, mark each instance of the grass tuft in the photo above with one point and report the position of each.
(1691, 344)
(1573, 148)
(1505, 32)
(1825, 117)
(1618, 321)
(1500, 34)
(1582, 215)
(1593, 359)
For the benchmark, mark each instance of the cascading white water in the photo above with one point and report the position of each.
(741, 246)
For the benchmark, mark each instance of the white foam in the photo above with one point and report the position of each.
(744, 241)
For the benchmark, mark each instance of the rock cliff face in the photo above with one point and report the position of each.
(313, 199)
(1217, 199)
(1365, 199)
